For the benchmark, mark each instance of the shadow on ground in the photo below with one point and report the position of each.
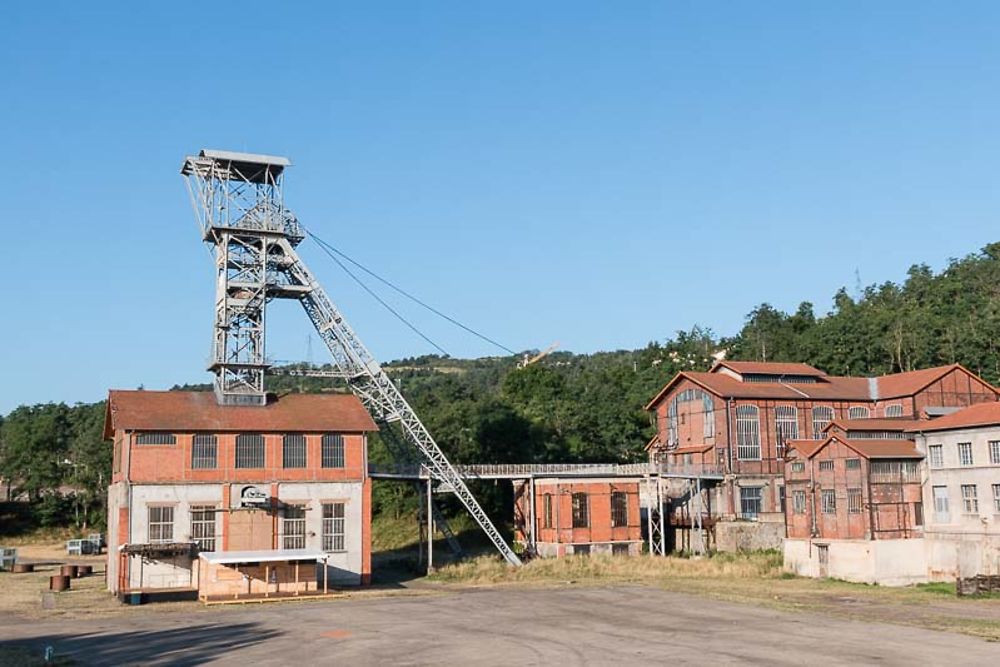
(177, 646)
(394, 568)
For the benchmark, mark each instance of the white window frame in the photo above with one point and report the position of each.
(334, 521)
(204, 531)
(162, 525)
(828, 501)
(751, 501)
(854, 500)
(293, 527)
(995, 452)
(942, 511)
(786, 426)
(935, 456)
(970, 499)
(996, 498)
(748, 433)
(822, 415)
(798, 502)
(965, 457)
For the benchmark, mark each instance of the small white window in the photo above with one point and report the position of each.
(995, 452)
(829, 501)
(936, 455)
(854, 501)
(965, 453)
(941, 512)
(161, 524)
(970, 503)
(996, 498)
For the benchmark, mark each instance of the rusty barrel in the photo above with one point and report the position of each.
(21, 568)
(84, 570)
(68, 571)
(59, 582)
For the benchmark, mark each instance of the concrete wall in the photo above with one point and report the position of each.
(748, 535)
(884, 562)
(950, 556)
(555, 550)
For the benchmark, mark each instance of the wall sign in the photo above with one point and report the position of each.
(251, 496)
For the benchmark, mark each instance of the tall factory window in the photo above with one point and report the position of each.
(918, 514)
(155, 439)
(333, 526)
(799, 466)
(619, 509)
(786, 425)
(854, 501)
(747, 433)
(204, 450)
(828, 499)
(294, 527)
(249, 450)
(965, 453)
(203, 527)
(781, 498)
(970, 502)
(547, 510)
(750, 502)
(799, 502)
(894, 410)
(826, 465)
(581, 515)
(994, 451)
(293, 451)
(161, 524)
(822, 416)
(852, 464)
(859, 412)
(333, 451)
(996, 498)
(941, 512)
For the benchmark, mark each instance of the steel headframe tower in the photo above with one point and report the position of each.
(239, 205)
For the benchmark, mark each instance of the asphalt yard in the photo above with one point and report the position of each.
(623, 624)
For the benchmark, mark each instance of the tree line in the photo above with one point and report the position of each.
(573, 407)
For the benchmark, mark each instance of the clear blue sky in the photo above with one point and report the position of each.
(601, 174)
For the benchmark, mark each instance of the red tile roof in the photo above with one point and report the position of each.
(770, 368)
(869, 449)
(182, 411)
(828, 388)
(691, 449)
(981, 414)
(874, 424)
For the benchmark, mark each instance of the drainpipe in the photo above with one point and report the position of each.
(729, 454)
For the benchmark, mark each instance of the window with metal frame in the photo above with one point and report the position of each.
(825, 465)
(936, 455)
(249, 450)
(852, 464)
(995, 452)
(786, 426)
(822, 415)
(155, 438)
(747, 433)
(203, 526)
(293, 527)
(751, 501)
(333, 527)
(894, 410)
(828, 501)
(854, 501)
(996, 498)
(942, 513)
(581, 510)
(547, 510)
(799, 466)
(204, 451)
(892, 472)
(970, 501)
(707, 413)
(161, 524)
(619, 509)
(859, 412)
(799, 502)
(293, 451)
(965, 453)
(332, 455)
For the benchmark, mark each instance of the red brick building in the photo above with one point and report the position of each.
(860, 484)
(578, 516)
(279, 484)
(737, 419)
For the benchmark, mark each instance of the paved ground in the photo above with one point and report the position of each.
(583, 626)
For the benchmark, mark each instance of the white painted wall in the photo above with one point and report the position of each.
(884, 562)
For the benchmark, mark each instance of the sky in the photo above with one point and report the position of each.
(598, 174)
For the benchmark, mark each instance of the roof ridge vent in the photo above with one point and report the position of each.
(873, 388)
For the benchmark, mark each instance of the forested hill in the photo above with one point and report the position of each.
(588, 407)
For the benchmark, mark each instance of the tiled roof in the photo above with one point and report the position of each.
(828, 388)
(869, 449)
(981, 414)
(771, 368)
(181, 411)
(691, 449)
(874, 424)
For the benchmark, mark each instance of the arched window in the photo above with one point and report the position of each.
(747, 433)
(894, 410)
(786, 426)
(859, 412)
(822, 416)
